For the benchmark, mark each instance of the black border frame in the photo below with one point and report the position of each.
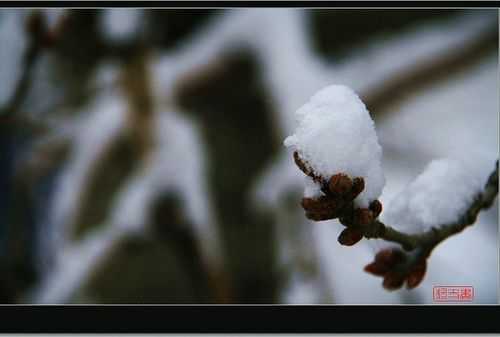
(250, 318)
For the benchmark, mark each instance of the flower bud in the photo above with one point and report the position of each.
(363, 216)
(308, 203)
(393, 281)
(350, 236)
(340, 184)
(376, 269)
(376, 208)
(358, 185)
(320, 216)
(389, 257)
(416, 275)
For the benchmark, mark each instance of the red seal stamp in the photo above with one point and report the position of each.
(453, 293)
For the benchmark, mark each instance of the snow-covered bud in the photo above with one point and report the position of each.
(336, 135)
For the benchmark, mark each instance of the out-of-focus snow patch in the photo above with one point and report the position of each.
(177, 163)
(13, 42)
(336, 134)
(73, 268)
(201, 50)
(106, 76)
(121, 24)
(457, 118)
(280, 179)
(105, 119)
(279, 39)
(438, 196)
(369, 66)
(291, 69)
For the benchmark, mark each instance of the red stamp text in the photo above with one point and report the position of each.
(453, 293)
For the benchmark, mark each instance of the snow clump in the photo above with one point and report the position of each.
(336, 134)
(439, 195)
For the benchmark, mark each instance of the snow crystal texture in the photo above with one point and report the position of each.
(439, 195)
(336, 134)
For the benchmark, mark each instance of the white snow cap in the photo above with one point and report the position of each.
(439, 195)
(336, 134)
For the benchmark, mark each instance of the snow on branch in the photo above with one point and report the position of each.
(336, 146)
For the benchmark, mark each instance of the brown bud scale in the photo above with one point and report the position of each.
(349, 237)
(358, 185)
(393, 281)
(376, 208)
(340, 184)
(363, 216)
(416, 275)
(376, 269)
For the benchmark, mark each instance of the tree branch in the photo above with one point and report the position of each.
(395, 265)
(434, 236)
